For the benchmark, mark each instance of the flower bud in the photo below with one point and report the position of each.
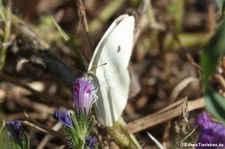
(82, 94)
(14, 128)
(91, 142)
(64, 117)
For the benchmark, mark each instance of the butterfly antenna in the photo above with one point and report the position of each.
(98, 66)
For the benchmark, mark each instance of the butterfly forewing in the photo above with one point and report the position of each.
(114, 50)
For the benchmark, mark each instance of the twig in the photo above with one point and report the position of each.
(44, 141)
(188, 135)
(142, 21)
(30, 122)
(53, 99)
(33, 115)
(221, 80)
(82, 16)
(184, 83)
(211, 15)
(163, 115)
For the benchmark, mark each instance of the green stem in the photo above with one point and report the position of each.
(7, 30)
(122, 137)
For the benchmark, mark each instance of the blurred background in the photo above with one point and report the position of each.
(168, 42)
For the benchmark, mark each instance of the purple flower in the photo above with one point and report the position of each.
(82, 94)
(14, 128)
(210, 132)
(63, 116)
(91, 142)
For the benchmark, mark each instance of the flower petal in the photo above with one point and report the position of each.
(63, 116)
(82, 94)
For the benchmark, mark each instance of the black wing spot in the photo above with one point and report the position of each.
(119, 48)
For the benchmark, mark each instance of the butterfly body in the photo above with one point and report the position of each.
(109, 65)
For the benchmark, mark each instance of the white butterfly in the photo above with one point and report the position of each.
(112, 79)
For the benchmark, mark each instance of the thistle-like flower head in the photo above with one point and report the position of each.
(82, 94)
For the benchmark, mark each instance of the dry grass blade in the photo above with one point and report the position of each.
(163, 115)
(155, 140)
(184, 83)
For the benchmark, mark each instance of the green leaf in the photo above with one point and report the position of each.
(72, 44)
(215, 104)
(72, 137)
(3, 139)
(91, 123)
(2, 13)
(6, 141)
(12, 144)
(2, 125)
(75, 123)
(213, 51)
(25, 141)
(63, 34)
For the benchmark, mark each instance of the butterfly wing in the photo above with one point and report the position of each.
(114, 50)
